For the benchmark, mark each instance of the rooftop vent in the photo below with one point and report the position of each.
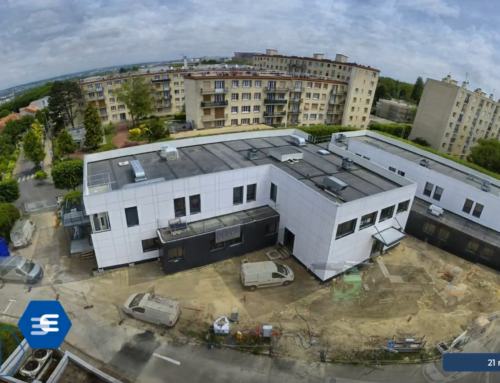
(340, 137)
(334, 184)
(285, 153)
(425, 163)
(168, 153)
(436, 210)
(139, 174)
(323, 152)
(297, 140)
(253, 154)
(347, 163)
(486, 186)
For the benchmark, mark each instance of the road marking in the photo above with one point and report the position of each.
(167, 359)
(32, 176)
(10, 302)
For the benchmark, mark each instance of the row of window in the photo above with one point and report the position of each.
(349, 227)
(400, 172)
(438, 191)
(118, 82)
(244, 121)
(478, 208)
(246, 109)
(468, 204)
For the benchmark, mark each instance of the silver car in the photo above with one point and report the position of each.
(15, 268)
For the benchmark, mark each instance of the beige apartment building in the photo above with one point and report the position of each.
(452, 118)
(395, 110)
(235, 99)
(362, 80)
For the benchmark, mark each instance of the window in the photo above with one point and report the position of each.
(139, 310)
(437, 193)
(256, 96)
(214, 246)
(100, 222)
(368, 220)
(312, 116)
(234, 109)
(234, 96)
(308, 96)
(251, 192)
(113, 108)
(256, 120)
(236, 83)
(443, 234)
(277, 275)
(386, 213)
(238, 195)
(428, 189)
(236, 241)
(149, 245)
(304, 116)
(247, 83)
(132, 216)
(274, 192)
(234, 121)
(112, 99)
(392, 169)
(245, 109)
(258, 84)
(117, 82)
(429, 228)
(315, 96)
(256, 108)
(176, 83)
(175, 254)
(467, 206)
(472, 247)
(309, 84)
(403, 206)
(115, 116)
(194, 204)
(487, 252)
(109, 83)
(180, 207)
(346, 228)
(271, 229)
(478, 209)
(245, 121)
(246, 96)
(401, 173)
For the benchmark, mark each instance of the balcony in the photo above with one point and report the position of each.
(276, 89)
(295, 111)
(213, 91)
(213, 118)
(214, 104)
(160, 80)
(298, 90)
(268, 101)
(274, 114)
(298, 100)
(336, 111)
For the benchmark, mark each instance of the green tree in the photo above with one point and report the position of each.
(380, 92)
(486, 154)
(68, 174)
(65, 143)
(134, 69)
(38, 129)
(135, 94)
(156, 131)
(9, 190)
(6, 145)
(15, 128)
(418, 88)
(420, 141)
(33, 147)
(93, 127)
(413, 113)
(122, 70)
(9, 214)
(63, 98)
(26, 98)
(4, 113)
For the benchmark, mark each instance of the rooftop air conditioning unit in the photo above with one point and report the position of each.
(31, 368)
(436, 210)
(347, 163)
(297, 140)
(425, 163)
(486, 186)
(138, 171)
(168, 153)
(253, 154)
(334, 184)
(340, 137)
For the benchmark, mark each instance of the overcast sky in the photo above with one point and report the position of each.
(404, 39)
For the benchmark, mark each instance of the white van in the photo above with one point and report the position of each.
(153, 308)
(22, 232)
(265, 274)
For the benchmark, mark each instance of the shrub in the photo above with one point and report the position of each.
(8, 216)
(40, 175)
(109, 128)
(325, 130)
(398, 130)
(68, 174)
(105, 148)
(9, 190)
(135, 133)
(420, 141)
(72, 194)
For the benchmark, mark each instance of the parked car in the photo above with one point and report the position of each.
(153, 308)
(15, 268)
(265, 274)
(22, 233)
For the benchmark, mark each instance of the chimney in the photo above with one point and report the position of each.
(340, 58)
(319, 56)
(464, 84)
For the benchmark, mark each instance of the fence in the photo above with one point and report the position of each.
(40, 206)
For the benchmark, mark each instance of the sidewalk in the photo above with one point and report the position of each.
(47, 161)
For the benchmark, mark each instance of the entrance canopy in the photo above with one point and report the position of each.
(389, 236)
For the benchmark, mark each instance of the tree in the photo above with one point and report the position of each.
(4, 113)
(9, 190)
(15, 128)
(420, 141)
(38, 129)
(122, 70)
(156, 132)
(413, 112)
(93, 127)
(9, 214)
(63, 98)
(6, 145)
(486, 154)
(33, 147)
(418, 88)
(68, 174)
(135, 94)
(380, 92)
(66, 144)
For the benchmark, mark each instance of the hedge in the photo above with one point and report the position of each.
(325, 130)
(399, 130)
(105, 148)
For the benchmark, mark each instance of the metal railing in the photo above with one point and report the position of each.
(213, 90)
(160, 80)
(276, 89)
(213, 118)
(274, 114)
(269, 101)
(213, 104)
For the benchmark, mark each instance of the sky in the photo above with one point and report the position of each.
(404, 39)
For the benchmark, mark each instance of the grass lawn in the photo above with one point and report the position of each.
(9, 343)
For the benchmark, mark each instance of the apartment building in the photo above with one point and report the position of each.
(362, 80)
(200, 200)
(455, 208)
(453, 118)
(395, 110)
(272, 98)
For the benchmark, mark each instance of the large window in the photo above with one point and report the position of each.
(274, 192)
(271, 229)
(236, 241)
(429, 228)
(346, 228)
(438, 192)
(180, 207)
(194, 204)
(175, 254)
(386, 213)
(443, 234)
(238, 195)
(132, 216)
(214, 246)
(251, 192)
(478, 209)
(472, 247)
(487, 252)
(368, 220)
(428, 189)
(100, 222)
(149, 245)
(403, 206)
(467, 206)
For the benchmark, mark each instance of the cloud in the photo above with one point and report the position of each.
(404, 39)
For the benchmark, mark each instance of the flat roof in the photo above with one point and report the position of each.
(207, 158)
(436, 166)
